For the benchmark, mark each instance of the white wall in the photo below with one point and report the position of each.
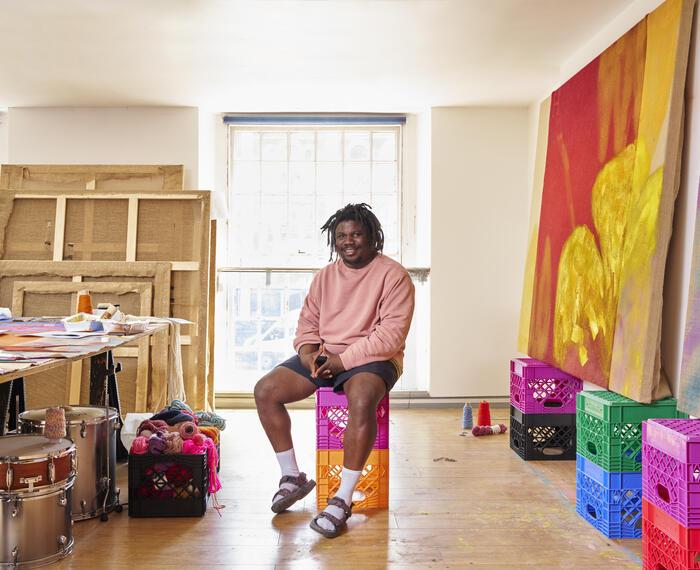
(86, 135)
(480, 211)
(3, 137)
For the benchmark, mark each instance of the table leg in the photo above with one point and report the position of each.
(103, 367)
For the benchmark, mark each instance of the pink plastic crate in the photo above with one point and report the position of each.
(332, 420)
(671, 468)
(538, 388)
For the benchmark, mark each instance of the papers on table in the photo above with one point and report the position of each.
(5, 314)
(66, 334)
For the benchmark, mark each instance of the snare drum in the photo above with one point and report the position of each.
(96, 442)
(35, 499)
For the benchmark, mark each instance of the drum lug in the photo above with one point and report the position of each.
(83, 429)
(62, 499)
(74, 463)
(83, 505)
(9, 477)
(15, 508)
(62, 541)
(15, 556)
(52, 472)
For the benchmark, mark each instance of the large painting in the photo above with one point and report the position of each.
(605, 183)
(689, 393)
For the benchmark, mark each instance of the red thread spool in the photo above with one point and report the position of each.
(484, 415)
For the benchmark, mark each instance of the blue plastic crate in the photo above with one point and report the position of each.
(610, 501)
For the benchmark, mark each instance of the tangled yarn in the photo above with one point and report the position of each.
(156, 443)
(173, 443)
(210, 432)
(139, 446)
(148, 427)
(191, 447)
(211, 419)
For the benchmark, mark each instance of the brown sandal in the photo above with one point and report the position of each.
(291, 496)
(337, 523)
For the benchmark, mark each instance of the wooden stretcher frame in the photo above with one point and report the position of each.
(26, 176)
(158, 274)
(145, 292)
(199, 295)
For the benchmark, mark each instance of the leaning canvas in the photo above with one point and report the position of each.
(606, 178)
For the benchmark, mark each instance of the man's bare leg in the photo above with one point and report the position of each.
(278, 387)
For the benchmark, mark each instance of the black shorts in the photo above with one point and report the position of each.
(385, 369)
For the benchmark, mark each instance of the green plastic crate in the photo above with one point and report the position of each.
(609, 428)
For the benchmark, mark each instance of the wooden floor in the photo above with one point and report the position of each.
(486, 508)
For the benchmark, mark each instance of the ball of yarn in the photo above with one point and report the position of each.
(210, 432)
(198, 439)
(139, 446)
(157, 444)
(151, 426)
(188, 430)
(189, 446)
(173, 443)
(55, 427)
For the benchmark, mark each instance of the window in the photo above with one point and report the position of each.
(285, 180)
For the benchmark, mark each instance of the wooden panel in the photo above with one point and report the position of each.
(29, 233)
(170, 227)
(90, 176)
(95, 230)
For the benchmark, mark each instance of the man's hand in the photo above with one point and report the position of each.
(308, 355)
(332, 367)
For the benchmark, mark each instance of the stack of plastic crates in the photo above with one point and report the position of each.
(671, 493)
(331, 423)
(609, 460)
(542, 410)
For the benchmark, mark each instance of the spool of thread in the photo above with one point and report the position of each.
(55, 427)
(467, 417)
(187, 430)
(489, 430)
(484, 415)
(84, 302)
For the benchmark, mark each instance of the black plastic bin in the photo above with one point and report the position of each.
(548, 437)
(168, 485)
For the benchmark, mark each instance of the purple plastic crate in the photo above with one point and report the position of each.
(332, 420)
(671, 468)
(538, 388)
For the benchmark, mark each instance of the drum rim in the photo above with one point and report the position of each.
(34, 458)
(113, 415)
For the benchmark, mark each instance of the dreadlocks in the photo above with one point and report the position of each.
(359, 213)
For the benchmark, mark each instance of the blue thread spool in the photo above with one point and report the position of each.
(467, 417)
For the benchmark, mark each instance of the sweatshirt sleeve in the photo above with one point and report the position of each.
(389, 336)
(307, 326)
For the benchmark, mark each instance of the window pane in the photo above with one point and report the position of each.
(274, 146)
(356, 179)
(329, 178)
(383, 146)
(246, 177)
(274, 178)
(246, 146)
(302, 178)
(384, 178)
(356, 146)
(330, 145)
(302, 146)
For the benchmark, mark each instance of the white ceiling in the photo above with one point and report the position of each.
(274, 55)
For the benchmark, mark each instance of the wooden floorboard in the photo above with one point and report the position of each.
(486, 508)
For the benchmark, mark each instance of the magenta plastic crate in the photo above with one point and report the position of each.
(332, 420)
(538, 388)
(671, 468)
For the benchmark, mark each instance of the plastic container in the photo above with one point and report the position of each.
(611, 502)
(609, 428)
(671, 468)
(168, 485)
(548, 437)
(373, 484)
(667, 544)
(538, 388)
(332, 420)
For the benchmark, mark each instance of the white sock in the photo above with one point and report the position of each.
(348, 482)
(288, 466)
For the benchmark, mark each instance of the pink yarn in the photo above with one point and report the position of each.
(139, 446)
(151, 426)
(189, 446)
(188, 430)
(198, 439)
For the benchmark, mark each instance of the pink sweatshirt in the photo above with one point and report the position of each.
(362, 314)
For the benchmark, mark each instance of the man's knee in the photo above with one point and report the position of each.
(264, 390)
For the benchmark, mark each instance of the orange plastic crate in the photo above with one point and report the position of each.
(374, 483)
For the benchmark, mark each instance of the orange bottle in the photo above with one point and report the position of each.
(84, 302)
